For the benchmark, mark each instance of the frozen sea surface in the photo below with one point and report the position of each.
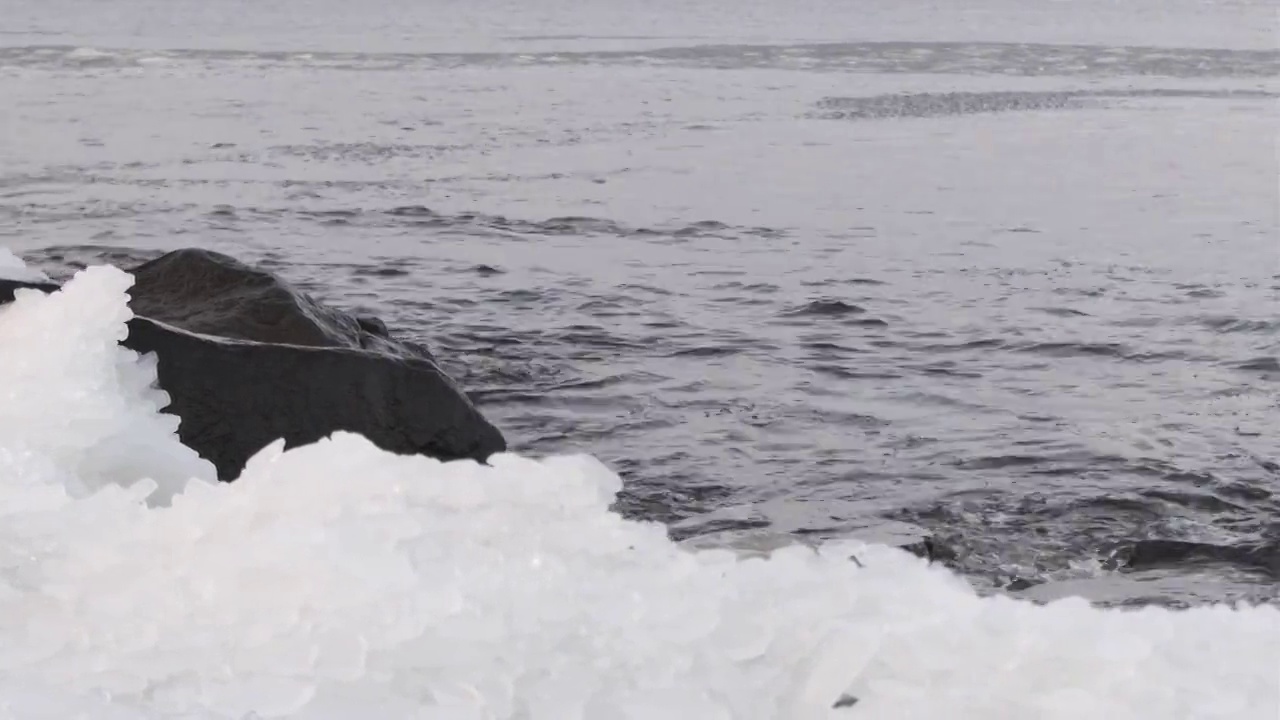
(1003, 273)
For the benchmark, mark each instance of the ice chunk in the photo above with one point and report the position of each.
(13, 268)
(74, 396)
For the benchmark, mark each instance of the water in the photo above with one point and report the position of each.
(1005, 273)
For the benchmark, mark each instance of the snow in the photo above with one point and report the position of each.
(339, 581)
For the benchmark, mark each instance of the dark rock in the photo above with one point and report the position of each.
(7, 288)
(932, 549)
(845, 701)
(235, 397)
(373, 326)
(1019, 584)
(213, 294)
(247, 359)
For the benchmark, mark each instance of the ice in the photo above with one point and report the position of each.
(81, 403)
(338, 581)
(13, 268)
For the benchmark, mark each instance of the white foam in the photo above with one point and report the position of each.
(88, 53)
(339, 581)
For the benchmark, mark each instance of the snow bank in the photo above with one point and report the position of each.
(338, 581)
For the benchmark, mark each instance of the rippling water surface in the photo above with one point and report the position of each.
(1008, 276)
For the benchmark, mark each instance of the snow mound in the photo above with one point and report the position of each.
(338, 581)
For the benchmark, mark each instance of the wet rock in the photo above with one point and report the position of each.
(214, 294)
(247, 359)
(1019, 584)
(8, 287)
(932, 549)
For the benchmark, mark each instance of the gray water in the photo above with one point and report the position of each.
(1002, 275)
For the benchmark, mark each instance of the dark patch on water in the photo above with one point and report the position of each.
(925, 105)
(929, 105)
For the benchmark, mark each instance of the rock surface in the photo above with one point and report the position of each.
(8, 287)
(247, 359)
(214, 294)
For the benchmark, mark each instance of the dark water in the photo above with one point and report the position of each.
(1023, 300)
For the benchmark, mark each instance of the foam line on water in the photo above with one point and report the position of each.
(338, 581)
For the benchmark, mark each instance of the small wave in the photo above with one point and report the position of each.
(60, 261)
(705, 351)
(845, 373)
(1231, 324)
(948, 370)
(385, 271)
(832, 347)
(420, 216)
(1266, 364)
(1204, 293)
(755, 287)
(1203, 502)
(1147, 554)
(997, 462)
(1118, 351)
(1076, 349)
(1062, 312)
(966, 345)
(825, 308)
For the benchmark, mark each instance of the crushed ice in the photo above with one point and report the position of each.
(339, 581)
(13, 268)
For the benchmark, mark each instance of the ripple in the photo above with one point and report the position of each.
(825, 308)
(420, 216)
(1229, 324)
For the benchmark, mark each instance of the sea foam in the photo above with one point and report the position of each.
(338, 581)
